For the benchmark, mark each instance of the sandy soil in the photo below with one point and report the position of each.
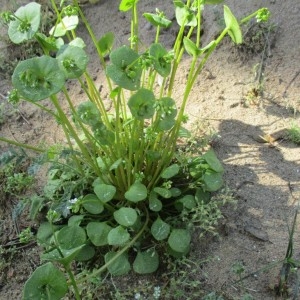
(263, 173)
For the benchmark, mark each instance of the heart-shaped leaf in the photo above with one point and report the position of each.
(46, 282)
(38, 78)
(233, 26)
(98, 232)
(118, 236)
(160, 229)
(137, 192)
(146, 262)
(126, 216)
(120, 265)
(105, 192)
(179, 240)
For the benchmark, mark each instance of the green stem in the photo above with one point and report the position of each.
(21, 145)
(73, 282)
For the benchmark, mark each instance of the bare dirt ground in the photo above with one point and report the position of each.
(262, 165)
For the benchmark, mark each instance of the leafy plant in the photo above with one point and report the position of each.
(119, 183)
(294, 133)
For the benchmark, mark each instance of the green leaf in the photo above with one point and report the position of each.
(127, 4)
(38, 78)
(154, 203)
(92, 204)
(160, 229)
(72, 61)
(212, 181)
(86, 253)
(126, 216)
(184, 133)
(70, 237)
(106, 43)
(75, 220)
(141, 104)
(179, 240)
(233, 25)
(184, 15)
(146, 262)
(187, 201)
(45, 233)
(165, 193)
(213, 161)
(78, 42)
(98, 232)
(190, 47)
(116, 164)
(105, 192)
(46, 282)
(170, 171)
(120, 266)
(118, 236)
(160, 60)
(124, 69)
(137, 192)
(212, 1)
(157, 20)
(67, 23)
(26, 24)
(88, 113)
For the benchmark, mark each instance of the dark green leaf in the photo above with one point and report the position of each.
(126, 216)
(92, 204)
(120, 266)
(38, 78)
(160, 229)
(187, 201)
(179, 240)
(146, 262)
(141, 104)
(118, 236)
(46, 282)
(70, 237)
(98, 232)
(137, 192)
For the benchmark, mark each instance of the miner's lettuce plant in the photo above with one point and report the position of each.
(119, 183)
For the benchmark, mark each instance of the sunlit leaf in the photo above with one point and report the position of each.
(233, 25)
(184, 15)
(38, 78)
(67, 23)
(127, 4)
(211, 158)
(46, 282)
(141, 104)
(26, 24)
(157, 20)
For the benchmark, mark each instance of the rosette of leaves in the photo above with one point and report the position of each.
(26, 23)
(125, 69)
(38, 78)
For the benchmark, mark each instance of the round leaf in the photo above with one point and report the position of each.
(160, 229)
(212, 181)
(119, 266)
(118, 236)
(146, 262)
(27, 24)
(38, 78)
(98, 232)
(137, 192)
(72, 61)
(70, 237)
(170, 171)
(141, 104)
(179, 240)
(92, 204)
(105, 192)
(46, 282)
(126, 216)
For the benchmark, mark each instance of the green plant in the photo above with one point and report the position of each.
(293, 133)
(119, 184)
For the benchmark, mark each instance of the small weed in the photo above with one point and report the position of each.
(293, 133)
